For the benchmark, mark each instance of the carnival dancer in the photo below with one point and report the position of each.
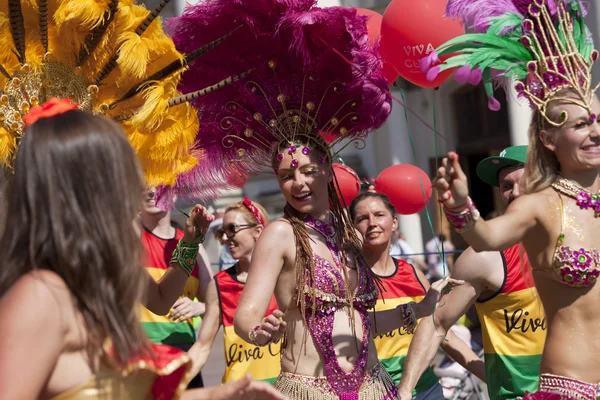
(70, 266)
(501, 287)
(375, 219)
(314, 81)
(546, 46)
(243, 223)
(159, 240)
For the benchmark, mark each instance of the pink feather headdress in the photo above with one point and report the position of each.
(312, 73)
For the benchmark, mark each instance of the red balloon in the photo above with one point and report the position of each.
(410, 31)
(402, 184)
(374, 28)
(348, 182)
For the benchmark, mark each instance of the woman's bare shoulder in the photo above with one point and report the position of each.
(279, 227)
(44, 286)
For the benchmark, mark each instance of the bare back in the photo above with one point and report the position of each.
(46, 338)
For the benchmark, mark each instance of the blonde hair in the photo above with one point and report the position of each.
(240, 207)
(542, 166)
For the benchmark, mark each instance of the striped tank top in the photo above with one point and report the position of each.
(514, 330)
(401, 287)
(159, 328)
(264, 363)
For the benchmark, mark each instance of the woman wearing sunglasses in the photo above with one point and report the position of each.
(243, 223)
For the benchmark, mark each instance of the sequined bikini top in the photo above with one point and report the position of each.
(574, 267)
(329, 288)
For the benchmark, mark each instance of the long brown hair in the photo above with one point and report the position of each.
(70, 208)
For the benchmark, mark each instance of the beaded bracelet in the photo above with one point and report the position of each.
(252, 335)
(185, 255)
(464, 218)
(408, 316)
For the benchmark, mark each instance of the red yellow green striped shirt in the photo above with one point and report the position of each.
(159, 328)
(514, 330)
(401, 287)
(264, 363)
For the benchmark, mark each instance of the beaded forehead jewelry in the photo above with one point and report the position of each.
(544, 45)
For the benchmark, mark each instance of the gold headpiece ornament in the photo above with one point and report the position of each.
(544, 45)
(110, 57)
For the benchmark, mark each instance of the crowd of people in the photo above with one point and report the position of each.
(100, 295)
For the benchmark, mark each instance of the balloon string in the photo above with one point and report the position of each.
(425, 123)
(394, 98)
(429, 220)
(441, 253)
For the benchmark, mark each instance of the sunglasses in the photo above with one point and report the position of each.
(232, 229)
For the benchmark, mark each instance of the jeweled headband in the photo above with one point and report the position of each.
(544, 45)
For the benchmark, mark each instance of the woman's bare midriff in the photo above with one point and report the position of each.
(572, 346)
(302, 357)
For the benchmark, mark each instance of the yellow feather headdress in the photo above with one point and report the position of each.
(111, 57)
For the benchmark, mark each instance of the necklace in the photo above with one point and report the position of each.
(585, 199)
(327, 229)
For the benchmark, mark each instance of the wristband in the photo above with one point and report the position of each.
(464, 218)
(185, 255)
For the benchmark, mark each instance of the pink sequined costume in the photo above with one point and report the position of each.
(329, 291)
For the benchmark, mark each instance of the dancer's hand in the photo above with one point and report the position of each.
(451, 182)
(197, 224)
(248, 389)
(426, 306)
(271, 328)
(245, 389)
(184, 308)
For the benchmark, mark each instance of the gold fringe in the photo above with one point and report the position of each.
(378, 385)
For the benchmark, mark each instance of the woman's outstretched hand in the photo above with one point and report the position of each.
(427, 305)
(451, 182)
(197, 224)
(271, 329)
(243, 389)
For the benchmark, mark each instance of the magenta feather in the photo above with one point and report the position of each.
(329, 45)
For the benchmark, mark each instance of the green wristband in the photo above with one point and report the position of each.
(185, 255)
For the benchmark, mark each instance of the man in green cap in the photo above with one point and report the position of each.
(501, 287)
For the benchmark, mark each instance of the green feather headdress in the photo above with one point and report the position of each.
(543, 46)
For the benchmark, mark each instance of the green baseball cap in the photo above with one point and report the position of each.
(488, 169)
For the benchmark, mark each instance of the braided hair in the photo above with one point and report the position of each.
(350, 244)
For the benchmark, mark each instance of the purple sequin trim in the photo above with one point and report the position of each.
(329, 288)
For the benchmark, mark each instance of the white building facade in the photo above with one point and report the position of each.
(462, 122)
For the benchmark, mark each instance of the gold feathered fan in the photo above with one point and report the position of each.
(109, 56)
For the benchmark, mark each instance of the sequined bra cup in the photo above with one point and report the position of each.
(574, 267)
(329, 288)
(329, 292)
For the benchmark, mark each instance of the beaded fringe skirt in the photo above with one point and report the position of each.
(554, 387)
(378, 385)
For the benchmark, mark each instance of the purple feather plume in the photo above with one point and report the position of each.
(311, 47)
(476, 13)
